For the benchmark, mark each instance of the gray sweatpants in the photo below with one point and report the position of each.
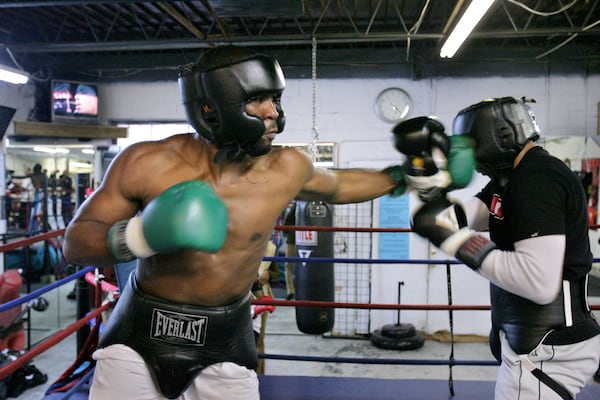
(572, 366)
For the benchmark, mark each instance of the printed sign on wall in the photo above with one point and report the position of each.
(394, 213)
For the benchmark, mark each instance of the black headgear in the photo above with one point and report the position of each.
(500, 127)
(416, 138)
(216, 88)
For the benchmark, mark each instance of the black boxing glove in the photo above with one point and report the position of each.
(423, 141)
(444, 223)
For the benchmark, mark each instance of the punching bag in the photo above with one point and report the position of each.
(314, 281)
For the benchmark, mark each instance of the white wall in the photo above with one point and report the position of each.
(566, 105)
(20, 97)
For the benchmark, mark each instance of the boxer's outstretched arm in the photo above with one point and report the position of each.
(347, 185)
(338, 186)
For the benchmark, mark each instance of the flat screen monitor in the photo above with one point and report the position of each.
(74, 102)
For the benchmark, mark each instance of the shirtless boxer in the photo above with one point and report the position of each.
(197, 211)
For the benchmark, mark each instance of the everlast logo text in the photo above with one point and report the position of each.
(176, 328)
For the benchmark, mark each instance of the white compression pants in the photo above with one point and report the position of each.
(121, 373)
(570, 365)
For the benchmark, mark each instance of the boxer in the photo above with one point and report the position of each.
(537, 257)
(197, 211)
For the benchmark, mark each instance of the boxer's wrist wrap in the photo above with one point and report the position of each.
(117, 245)
(126, 240)
(396, 172)
(474, 251)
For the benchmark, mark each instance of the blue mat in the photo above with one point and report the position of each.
(332, 388)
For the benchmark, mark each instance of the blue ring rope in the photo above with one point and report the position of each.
(37, 293)
(359, 260)
(386, 361)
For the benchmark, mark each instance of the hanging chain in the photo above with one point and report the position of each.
(315, 133)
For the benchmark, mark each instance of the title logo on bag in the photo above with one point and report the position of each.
(306, 238)
(178, 328)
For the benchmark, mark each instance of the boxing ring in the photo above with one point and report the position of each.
(74, 382)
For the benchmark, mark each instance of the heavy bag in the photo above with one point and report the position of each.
(314, 281)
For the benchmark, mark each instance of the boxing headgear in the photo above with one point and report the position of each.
(500, 127)
(215, 90)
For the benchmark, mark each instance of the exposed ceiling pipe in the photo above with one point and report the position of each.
(182, 20)
(43, 3)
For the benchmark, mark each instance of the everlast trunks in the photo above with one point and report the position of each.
(178, 341)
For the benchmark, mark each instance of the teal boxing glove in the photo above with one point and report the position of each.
(461, 161)
(188, 215)
(396, 172)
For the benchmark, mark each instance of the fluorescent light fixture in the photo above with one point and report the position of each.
(78, 164)
(52, 150)
(88, 151)
(465, 26)
(303, 144)
(11, 75)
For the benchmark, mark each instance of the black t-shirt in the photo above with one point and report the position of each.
(543, 197)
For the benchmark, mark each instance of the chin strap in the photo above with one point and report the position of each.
(230, 151)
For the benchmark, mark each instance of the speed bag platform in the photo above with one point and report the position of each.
(314, 280)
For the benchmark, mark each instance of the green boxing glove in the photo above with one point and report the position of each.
(461, 161)
(456, 174)
(188, 215)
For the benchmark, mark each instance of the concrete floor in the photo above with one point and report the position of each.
(283, 337)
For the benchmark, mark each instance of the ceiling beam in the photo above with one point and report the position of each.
(268, 40)
(182, 20)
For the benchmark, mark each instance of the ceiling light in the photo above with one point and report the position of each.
(52, 150)
(88, 151)
(78, 164)
(11, 75)
(465, 25)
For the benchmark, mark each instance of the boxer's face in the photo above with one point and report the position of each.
(264, 108)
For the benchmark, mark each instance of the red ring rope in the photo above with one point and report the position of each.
(338, 229)
(329, 304)
(351, 229)
(51, 341)
(30, 240)
(104, 285)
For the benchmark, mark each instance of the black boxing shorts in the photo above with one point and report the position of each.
(177, 341)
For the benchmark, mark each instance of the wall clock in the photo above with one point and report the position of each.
(392, 105)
